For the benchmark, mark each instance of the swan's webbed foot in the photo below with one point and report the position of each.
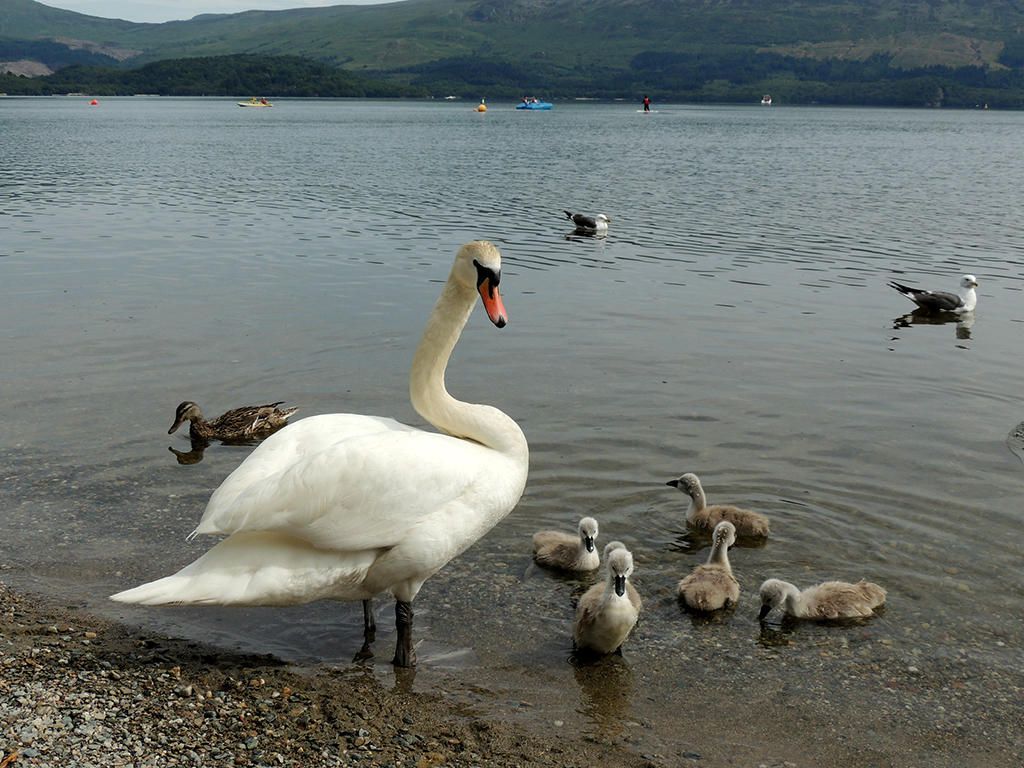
(405, 654)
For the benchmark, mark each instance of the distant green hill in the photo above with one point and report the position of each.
(956, 51)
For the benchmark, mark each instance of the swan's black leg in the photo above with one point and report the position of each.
(405, 656)
(369, 617)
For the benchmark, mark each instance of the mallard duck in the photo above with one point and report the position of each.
(830, 600)
(567, 552)
(943, 301)
(343, 506)
(239, 424)
(608, 611)
(699, 514)
(712, 586)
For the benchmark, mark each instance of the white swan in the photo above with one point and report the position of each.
(712, 586)
(700, 515)
(343, 506)
(555, 549)
(608, 611)
(829, 600)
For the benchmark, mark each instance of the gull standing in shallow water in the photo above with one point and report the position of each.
(608, 611)
(597, 223)
(345, 506)
(943, 301)
(830, 600)
(700, 515)
(555, 549)
(712, 586)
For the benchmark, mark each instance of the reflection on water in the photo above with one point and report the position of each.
(731, 319)
(606, 687)
(962, 323)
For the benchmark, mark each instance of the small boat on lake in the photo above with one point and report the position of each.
(254, 102)
(766, 100)
(534, 104)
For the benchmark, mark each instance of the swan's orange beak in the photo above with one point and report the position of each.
(492, 303)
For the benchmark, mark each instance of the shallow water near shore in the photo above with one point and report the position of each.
(735, 322)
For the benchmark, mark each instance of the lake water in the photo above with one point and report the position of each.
(735, 322)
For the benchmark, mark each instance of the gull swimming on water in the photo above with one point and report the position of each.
(943, 301)
(594, 223)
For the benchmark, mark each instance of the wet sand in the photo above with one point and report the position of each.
(79, 690)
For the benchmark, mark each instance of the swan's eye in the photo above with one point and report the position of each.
(486, 273)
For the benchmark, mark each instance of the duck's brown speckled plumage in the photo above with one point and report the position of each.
(247, 422)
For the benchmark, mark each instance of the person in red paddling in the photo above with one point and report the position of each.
(647, 103)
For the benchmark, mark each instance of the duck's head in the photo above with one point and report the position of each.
(186, 412)
(588, 533)
(478, 265)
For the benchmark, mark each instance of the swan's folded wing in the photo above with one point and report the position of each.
(291, 445)
(361, 493)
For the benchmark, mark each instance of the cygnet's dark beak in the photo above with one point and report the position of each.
(589, 542)
(673, 483)
(765, 610)
(620, 585)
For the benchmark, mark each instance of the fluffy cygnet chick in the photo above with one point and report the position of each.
(830, 600)
(610, 546)
(608, 611)
(701, 515)
(712, 586)
(555, 549)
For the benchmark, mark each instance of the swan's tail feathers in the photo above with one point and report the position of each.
(260, 569)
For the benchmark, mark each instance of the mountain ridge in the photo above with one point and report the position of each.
(585, 47)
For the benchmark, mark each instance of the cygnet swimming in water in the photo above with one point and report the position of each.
(611, 546)
(830, 600)
(712, 586)
(555, 549)
(701, 515)
(608, 611)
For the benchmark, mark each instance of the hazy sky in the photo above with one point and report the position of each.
(167, 10)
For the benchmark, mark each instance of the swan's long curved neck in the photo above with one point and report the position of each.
(719, 553)
(698, 501)
(481, 423)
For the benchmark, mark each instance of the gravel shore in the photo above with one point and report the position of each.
(77, 691)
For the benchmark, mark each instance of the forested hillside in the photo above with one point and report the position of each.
(936, 52)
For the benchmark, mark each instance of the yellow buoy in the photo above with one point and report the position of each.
(482, 107)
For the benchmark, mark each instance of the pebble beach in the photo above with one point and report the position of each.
(78, 691)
